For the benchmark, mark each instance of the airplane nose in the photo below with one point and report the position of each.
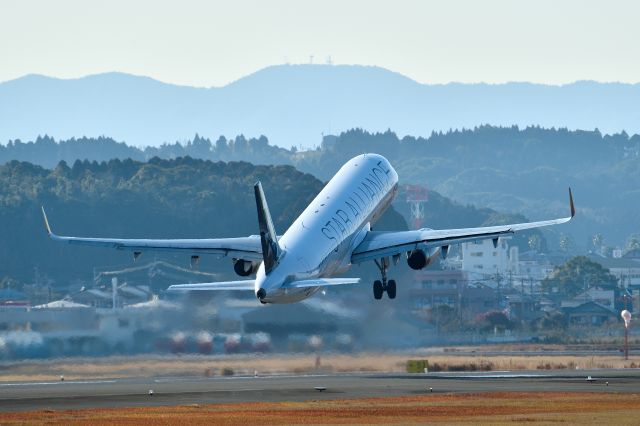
(261, 294)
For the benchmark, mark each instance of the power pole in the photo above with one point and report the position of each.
(114, 292)
(626, 316)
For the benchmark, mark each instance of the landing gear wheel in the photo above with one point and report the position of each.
(377, 290)
(391, 289)
(388, 286)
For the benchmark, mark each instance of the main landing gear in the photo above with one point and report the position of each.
(379, 287)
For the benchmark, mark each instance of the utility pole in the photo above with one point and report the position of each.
(626, 316)
(499, 281)
(114, 292)
(626, 343)
(459, 285)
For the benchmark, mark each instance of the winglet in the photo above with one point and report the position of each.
(573, 208)
(46, 222)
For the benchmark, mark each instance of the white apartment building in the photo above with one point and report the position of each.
(482, 258)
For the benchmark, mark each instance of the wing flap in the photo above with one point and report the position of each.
(244, 285)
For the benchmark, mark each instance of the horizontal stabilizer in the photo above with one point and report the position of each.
(246, 285)
(322, 282)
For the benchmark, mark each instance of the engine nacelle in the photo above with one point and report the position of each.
(244, 268)
(417, 259)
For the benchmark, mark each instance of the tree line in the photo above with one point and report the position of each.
(504, 168)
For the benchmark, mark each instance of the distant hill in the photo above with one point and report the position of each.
(296, 104)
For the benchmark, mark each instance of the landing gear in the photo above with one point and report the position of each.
(377, 289)
(391, 289)
(380, 287)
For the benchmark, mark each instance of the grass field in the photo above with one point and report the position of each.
(491, 408)
(112, 367)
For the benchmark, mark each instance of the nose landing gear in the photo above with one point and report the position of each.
(379, 287)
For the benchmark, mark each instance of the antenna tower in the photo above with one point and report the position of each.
(417, 196)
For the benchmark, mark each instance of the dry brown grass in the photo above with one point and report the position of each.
(491, 408)
(529, 362)
(97, 368)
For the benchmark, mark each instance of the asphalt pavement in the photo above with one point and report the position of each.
(137, 392)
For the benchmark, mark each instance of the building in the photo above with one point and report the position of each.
(437, 287)
(481, 257)
(9, 297)
(534, 266)
(603, 297)
(452, 288)
(631, 254)
(523, 307)
(301, 321)
(103, 297)
(589, 314)
(625, 269)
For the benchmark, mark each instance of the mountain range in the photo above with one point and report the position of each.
(294, 105)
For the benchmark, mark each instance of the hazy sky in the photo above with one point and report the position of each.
(210, 43)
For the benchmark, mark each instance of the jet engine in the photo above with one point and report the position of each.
(244, 268)
(417, 259)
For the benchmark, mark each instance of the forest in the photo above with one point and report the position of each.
(508, 169)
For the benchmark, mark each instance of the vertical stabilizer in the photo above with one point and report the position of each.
(268, 238)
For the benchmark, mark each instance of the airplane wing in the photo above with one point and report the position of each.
(377, 245)
(247, 248)
(321, 282)
(244, 285)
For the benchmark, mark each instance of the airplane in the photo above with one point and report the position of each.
(332, 234)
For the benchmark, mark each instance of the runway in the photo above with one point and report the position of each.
(21, 396)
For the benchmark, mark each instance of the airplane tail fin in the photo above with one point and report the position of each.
(270, 248)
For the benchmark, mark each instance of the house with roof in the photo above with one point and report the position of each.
(632, 255)
(534, 266)
(627, 270)
(454, 288)
(103, 297)
(523, 306)
(589, 314)
(604, 297)
(10, 297)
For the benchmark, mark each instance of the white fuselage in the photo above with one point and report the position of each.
(320, 241)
